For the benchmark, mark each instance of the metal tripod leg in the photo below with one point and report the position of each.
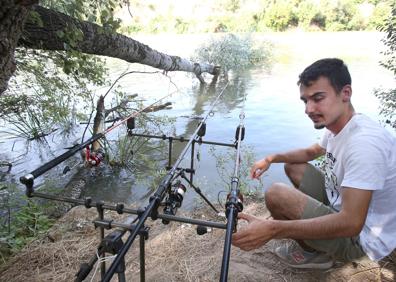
(198, 192)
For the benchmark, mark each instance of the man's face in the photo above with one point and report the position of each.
(323, 105)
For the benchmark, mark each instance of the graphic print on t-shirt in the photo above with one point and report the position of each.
(331, 183)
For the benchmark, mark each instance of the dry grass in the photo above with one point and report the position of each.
(174, 252)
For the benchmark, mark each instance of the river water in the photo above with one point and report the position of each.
(274, 115)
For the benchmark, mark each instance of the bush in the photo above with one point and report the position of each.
(338, 14)
(233, 52)
(379, 15)
(308, 14)
(280, 15)
(261, 16)
(225, 162)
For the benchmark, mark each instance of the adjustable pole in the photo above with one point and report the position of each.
(233, 205)
(99, 208)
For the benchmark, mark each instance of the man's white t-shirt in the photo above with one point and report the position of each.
(363, 156)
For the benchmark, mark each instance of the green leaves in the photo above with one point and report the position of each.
(233, 52)
(100, 11)
(225, 161)
(257, 16)
(50, 83)
(35, 18)
(388, 97)
(23, 221)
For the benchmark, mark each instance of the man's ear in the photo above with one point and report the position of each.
(346, 93)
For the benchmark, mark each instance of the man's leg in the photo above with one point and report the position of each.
(309, 200)
(288, 203)
(308, 180)
(295, 172)
(285, 202)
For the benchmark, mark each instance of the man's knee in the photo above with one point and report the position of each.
(285, 202)
(275, 196)
(295, 172)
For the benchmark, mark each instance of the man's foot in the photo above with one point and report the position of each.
(293, 255)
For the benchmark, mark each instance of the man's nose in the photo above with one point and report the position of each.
(309, 107)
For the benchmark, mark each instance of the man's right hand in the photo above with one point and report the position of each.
(259, 167)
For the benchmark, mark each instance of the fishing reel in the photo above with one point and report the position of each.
(130, 124)
(234, 204)
(237, 201)
(174, 199)
(92, 158)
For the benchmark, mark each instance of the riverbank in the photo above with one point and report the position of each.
(174, 252)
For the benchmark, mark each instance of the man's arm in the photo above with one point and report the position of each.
(346, 223)
(295, 156)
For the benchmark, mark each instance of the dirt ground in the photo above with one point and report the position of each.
(174, 252)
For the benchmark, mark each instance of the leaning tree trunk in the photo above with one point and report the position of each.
(98, 126)
(99, 42)
(13, 14)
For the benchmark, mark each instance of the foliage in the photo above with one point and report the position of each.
(309, 14)
(380, 14)
(23, 221)
(342, 15)
(389, 27)
(100, 11)
(280, 15)
(225, 162)
(49, 85)
(137, 153)
(46, 90)
(388, 97)
(257, 15)
(388, 105)
(233, 52)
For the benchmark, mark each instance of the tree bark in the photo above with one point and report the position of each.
(12, 18)
(98, 126)
(97, 41)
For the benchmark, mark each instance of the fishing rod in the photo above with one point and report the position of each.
(234, 202)
(155, 200)
(28, 179)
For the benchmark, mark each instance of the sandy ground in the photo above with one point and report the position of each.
(174, 252)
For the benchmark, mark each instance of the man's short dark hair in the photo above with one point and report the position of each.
(332, 68)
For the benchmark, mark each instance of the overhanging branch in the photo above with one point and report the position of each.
(97, 41)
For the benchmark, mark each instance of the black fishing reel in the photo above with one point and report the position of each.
(174, 199)
(236, 201)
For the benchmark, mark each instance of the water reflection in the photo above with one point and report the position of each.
(203, 97)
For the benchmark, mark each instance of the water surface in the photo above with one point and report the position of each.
(274, 115)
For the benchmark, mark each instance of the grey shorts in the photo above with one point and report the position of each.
(313, 184)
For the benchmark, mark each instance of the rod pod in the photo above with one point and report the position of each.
(151, 209)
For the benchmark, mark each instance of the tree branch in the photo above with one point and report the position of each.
(96, 40)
